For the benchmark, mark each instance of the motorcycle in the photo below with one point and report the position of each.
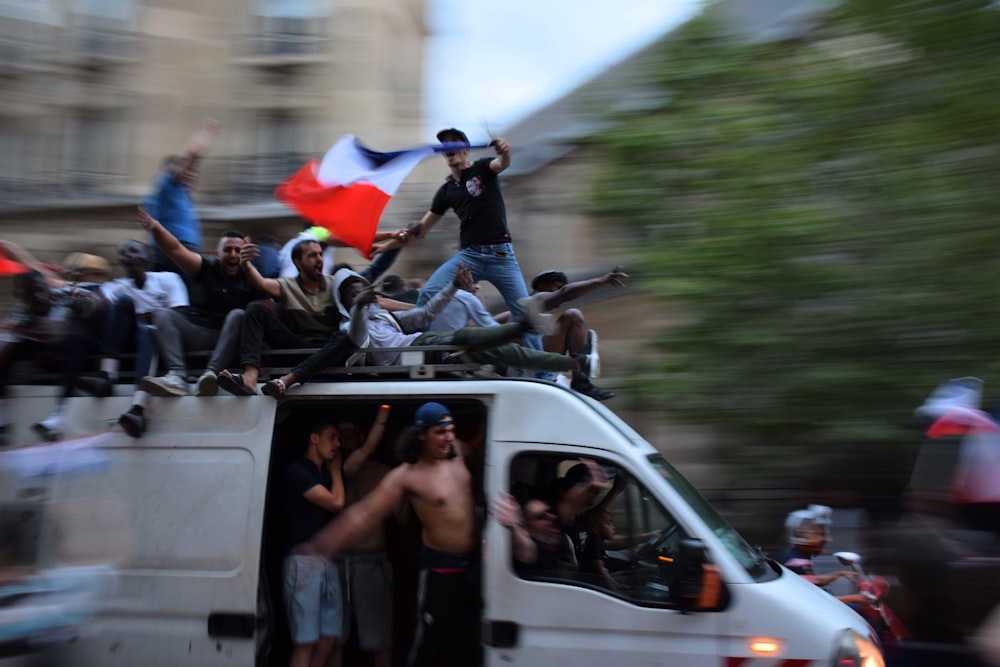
(874, 588)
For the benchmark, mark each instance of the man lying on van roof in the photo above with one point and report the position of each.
(374, 327)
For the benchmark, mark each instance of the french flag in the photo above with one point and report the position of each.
(347, 191)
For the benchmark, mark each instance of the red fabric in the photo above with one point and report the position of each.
(351, 213)
(9, 267)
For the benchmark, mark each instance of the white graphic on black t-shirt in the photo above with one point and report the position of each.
(475, 186)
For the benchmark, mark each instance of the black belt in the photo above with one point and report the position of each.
(500, 239)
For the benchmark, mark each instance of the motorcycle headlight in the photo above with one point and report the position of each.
(853, 650)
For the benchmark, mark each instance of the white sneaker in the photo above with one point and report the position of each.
(52, 427)
(208, 384)
(593, 356)
(165, 385)
(543, 323)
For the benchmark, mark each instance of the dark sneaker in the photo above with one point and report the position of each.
(593, 357)
(208, 384)
(96, 385)
(133, 422)
(588, 388)
(544, 324)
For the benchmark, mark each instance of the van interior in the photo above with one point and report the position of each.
(402, 538)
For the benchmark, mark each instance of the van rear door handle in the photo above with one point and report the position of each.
(223, 624)
(500, 634)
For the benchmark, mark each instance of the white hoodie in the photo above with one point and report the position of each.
(375, 327)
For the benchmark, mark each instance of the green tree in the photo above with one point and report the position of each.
(822, 212)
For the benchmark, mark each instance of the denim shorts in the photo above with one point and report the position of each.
(313, 598)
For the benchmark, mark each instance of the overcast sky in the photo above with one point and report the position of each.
(495, 62)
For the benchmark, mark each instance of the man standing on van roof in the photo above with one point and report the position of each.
(313, 494)
(437, 482)
(472, 190)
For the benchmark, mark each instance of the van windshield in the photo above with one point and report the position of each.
(752, 559)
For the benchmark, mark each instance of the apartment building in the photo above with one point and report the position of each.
(97, 92)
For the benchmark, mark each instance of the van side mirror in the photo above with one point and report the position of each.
(696, 584)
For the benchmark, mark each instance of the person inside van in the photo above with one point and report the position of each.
(366, 569)
(437, 483)
(313, 495)
(593, 556)
(540, 547)
(578, 491)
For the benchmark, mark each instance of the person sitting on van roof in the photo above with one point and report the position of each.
(550, 289)
(313, 495)
(374, 327)
(305, 316)
(56, 321)
(219, 292)
(129, 326)
(434, 478)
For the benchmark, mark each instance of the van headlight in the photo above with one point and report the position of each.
(853, 650)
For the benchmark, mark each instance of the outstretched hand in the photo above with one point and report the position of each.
(615, 277)
(248, 251)
(463, 278)
(148, 222)
(506, 511)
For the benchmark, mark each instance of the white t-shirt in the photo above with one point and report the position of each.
(162, 289)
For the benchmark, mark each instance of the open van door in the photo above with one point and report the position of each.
(188, 500)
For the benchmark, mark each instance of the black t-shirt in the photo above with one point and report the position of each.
(477, 201)
(213, 294)
(304, 518)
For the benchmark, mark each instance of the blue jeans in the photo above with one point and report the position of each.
(122, 333)
(497, 265)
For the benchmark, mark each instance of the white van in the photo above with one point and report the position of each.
(197, 536)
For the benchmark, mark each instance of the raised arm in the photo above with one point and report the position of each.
(331, 499)
(405, 236)
(502, 160)
(196, 147)
(188, 260)
(509, 515)
(550, 300)
(19, 254)
(359, 517)
(365, 451)
(269, 286)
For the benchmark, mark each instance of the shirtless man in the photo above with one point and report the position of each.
(439, 486)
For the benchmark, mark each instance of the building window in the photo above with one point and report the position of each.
(288, 27)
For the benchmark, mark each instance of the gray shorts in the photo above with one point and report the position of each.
(313, 598)
(367, 577)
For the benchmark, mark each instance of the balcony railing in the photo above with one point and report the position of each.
(246, 179)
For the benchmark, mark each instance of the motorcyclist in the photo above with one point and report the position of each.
(807, 532)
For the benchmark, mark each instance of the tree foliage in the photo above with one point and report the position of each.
(823, 211)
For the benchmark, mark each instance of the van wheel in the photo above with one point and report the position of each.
(263, 633)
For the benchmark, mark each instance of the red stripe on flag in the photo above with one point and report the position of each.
(9, 267)
(351, 213)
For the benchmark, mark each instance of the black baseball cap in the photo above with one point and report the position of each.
(451, 131)
(547, 275)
